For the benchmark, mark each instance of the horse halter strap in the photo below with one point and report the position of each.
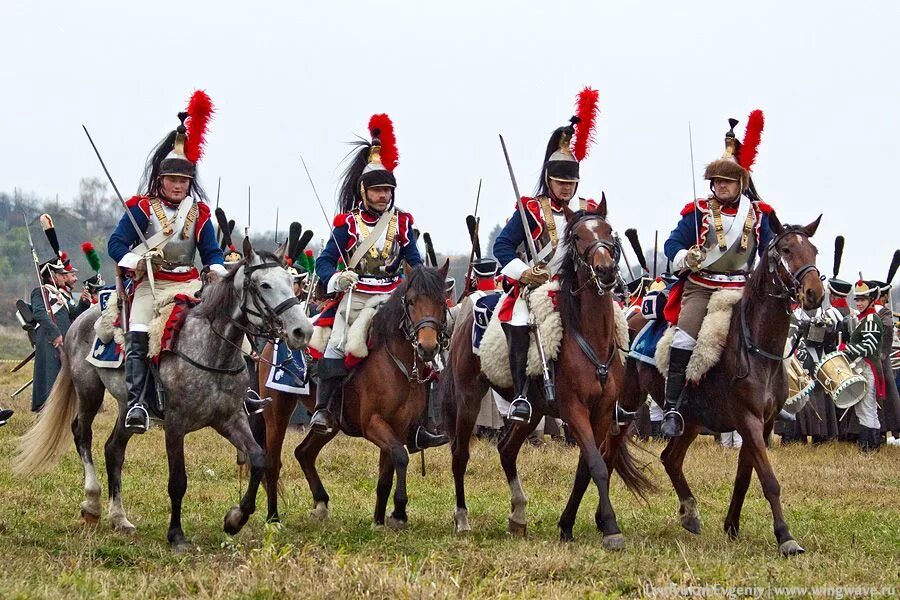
(265, 311)
(411, 330)
(584, 259)
(790, 288)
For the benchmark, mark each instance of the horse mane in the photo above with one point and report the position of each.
(222, 298)
(423, 281)
(569, 303)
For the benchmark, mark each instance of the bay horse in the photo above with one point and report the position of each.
(205, 381)
(589, 376)
(747, 388)
(386, 393)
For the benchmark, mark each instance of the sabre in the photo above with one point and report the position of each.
(322, 208)
(218, 191)
(694, 184)
(655, 251)
(549, 392)
(21, 389)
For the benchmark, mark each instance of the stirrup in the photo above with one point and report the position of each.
(137, 419)
(320, 421)
(623, 417)
(672, 419)
(5, 415)
(254, 403)
(519, 401)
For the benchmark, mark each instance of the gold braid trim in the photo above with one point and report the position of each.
(549, 221)
(189, 221)
(161, 216)
(748, 227)
(717, 223)
(391, 233)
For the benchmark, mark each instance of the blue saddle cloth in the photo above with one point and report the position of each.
(643, 348)
(108, 355)
(290, 373)
(482, 310)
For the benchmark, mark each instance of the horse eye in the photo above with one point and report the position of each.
(265, 286)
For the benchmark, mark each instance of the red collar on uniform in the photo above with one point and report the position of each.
(368, 217)
(867, 312)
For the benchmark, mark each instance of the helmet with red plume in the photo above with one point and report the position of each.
(737, 161)
(372, 164)
(569, 145)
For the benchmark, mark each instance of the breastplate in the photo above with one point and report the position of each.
(382, 255)
(733, 259)
(179, 250)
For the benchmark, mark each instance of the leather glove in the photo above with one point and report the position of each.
(140, 271)
(533, 278)
(694, 258)
(346, 280)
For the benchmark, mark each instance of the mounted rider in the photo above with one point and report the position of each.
(713, 247)
(567, 147)
(361, 264)
(173, 217)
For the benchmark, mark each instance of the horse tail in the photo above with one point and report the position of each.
(41, 447)
(631, 472)
(447, 399)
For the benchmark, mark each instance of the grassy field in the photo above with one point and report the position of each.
(843, 508)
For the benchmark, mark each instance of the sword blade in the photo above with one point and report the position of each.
(529, 241)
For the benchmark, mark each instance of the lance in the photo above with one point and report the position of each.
(137, 230)
(655, 251)
(37, 270)
(472, 252)
(549, 391)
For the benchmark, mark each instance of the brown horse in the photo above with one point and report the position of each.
(385, 395)
(746, 390)
(589, 377)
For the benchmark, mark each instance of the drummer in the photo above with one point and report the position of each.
(865, 343)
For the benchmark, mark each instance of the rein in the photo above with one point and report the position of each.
(410, 333)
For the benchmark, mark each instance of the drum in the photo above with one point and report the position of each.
(845, 386)
(800, 385)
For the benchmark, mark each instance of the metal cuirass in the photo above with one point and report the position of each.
(179, 250)
(734, 258)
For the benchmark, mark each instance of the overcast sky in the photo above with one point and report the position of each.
(304, 77)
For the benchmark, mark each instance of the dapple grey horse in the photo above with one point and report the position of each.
(205, 382)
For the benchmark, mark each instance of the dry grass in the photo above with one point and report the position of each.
(843, 508)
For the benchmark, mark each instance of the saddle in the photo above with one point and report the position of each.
(357, 344)
(711, 340)
(494, 350)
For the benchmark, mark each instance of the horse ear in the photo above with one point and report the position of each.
(407, 268)
(281, 250)
(567, 212)
(248, 248)
(445, 269)
(812, 227)
(601, 207)
(775, 223)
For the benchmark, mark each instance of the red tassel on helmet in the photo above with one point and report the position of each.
(200, 110)
(752, 137)
(385, 128)
(586, 111)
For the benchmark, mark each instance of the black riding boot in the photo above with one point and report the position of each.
(5, 415)
(518, 338)
(137, 372)
(331, 377)
(673, 422)
(420, 438)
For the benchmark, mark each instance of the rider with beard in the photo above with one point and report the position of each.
(713, 247)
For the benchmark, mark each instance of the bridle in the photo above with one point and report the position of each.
(410, 331)
(583, 259)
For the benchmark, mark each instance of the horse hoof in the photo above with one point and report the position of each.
(89, 515)
(565, 534)
(123, 525)
(235, 519)
(790, 548)
(320, 512)
(181, 546)
(614, 542)
(516, 529)
(396, 524)
(731, 531)
(461, 522)
(692, 524)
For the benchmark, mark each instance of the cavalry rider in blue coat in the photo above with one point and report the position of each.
(362, 262)
(713, 247)
(546, 225)
(175, 221)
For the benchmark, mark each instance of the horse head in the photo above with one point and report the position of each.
(267, 298)
(424, 308)
(792, 259)
(589, 238)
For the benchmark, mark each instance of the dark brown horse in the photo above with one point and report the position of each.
(589, 377)
(385, 395)
(746, 390)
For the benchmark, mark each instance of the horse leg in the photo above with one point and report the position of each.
(277, 416)
(741, 483)
(383, 489)
(237, 431)
(82, 432)
(459, 447)
(509, 451)
(673, 460)
(752, 432)
(380, 433)
(577, 416)
(177, 486)
(114, 451)
(306, 453)
(567, 519)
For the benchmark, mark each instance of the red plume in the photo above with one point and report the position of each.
(385, 128)
(586, 111)
(87, 247)
(752, 137)
(200, 110)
